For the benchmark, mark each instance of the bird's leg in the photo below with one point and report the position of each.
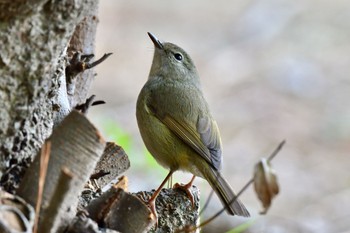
(186, 188)
(152, 201)
(170, 182)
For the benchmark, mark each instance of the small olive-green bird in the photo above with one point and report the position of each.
(176, 124)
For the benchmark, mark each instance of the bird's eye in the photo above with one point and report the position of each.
(178, 56)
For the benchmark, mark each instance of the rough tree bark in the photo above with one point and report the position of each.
(34, 39)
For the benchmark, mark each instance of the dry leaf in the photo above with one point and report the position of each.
(265, 183)
(16, 215)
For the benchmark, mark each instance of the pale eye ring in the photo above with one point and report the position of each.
(178, 56)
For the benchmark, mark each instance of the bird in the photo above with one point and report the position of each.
(177, 127)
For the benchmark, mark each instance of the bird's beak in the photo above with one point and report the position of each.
(155, 41)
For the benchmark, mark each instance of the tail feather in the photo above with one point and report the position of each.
(224, 191)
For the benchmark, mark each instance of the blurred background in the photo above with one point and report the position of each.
(270, 70)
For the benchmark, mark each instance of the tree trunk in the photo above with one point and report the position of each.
(35, 38)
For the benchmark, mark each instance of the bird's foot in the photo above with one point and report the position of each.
(187, 189)
(151, 204)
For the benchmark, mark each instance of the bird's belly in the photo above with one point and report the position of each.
(167, 149)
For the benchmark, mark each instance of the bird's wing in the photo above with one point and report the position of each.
(204, 137)
(210, 136)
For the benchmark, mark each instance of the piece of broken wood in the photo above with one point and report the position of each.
(118, 210)
(75, 144)
(113, 161)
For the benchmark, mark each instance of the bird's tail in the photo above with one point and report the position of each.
(224, 191)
